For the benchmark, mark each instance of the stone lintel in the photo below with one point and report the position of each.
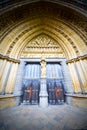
(76, 95)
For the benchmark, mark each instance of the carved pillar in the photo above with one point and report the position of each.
(84, 63)
(84, 67)
(19, 80)
(82, 75)
(11, 78)
(74, 76)
(1, 62)
(67, 80)
(43, 88)
(3, 68)
(77, 68)
(5, 75)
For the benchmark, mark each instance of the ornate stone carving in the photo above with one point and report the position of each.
(42, 46)
(71, 17)
(43, 68)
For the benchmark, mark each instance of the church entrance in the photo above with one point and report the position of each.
(32, 82)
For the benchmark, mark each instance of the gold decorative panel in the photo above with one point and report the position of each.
(42, 46)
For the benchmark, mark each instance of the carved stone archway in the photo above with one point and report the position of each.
(24, 27)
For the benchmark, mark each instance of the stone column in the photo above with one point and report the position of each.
(84, 63)
(43, 88)
(84, 71)
(5, 75)
(67, 80)
(18, 83)
(43, 93)
(11, 78)
(1, 62)
(74, 76)
(78, 74)
(3, 68)
(81, 76)
(84, 67)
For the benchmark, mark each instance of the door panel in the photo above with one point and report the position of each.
(31, 83)
(31, 92)
(55, 83)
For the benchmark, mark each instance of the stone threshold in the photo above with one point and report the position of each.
(77, 95)
(6, 96)
(67, 94)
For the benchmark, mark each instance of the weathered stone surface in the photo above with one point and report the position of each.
(60, 117)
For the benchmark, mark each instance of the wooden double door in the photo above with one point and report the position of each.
(54, 78)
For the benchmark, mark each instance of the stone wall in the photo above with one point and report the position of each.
(77, 100)
(7, 74)
(7, 101)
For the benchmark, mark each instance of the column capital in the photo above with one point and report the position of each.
(4, 57)
(77, 59)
